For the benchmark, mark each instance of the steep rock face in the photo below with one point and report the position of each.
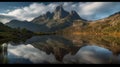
(60, 13)
(74, 15)
(49, 15)
(43, 18)
(49, 22)
(58, 19)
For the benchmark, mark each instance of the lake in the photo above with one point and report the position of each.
(53, 49)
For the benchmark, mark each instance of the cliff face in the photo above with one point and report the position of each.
(59, 15)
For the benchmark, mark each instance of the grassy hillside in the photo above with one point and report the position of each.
(109, 25)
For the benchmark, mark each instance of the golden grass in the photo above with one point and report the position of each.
(116, 34)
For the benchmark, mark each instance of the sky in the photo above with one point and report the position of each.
(30, 10)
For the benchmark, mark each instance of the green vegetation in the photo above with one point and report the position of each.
(16, 35)
(106, 26)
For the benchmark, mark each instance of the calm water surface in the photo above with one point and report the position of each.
(60, 50)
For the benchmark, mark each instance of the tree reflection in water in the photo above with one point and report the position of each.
(3, 53)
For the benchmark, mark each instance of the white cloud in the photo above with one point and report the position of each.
(90, 55)
(87, 54)
(98, 10)
(87, 10)
(93, 10)
(31, 53)
(32, 11)
(5, 18)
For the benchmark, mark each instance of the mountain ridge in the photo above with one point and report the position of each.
(60, 19)
(50, 22)
(58, 14)
(106, 25)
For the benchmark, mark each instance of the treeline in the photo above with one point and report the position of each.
(10, 34)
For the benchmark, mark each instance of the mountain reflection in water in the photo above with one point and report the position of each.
(58, 49)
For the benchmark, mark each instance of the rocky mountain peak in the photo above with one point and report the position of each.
(73, 12)
(74, 15)
(59, 8)
(48, 13)
(60, 13)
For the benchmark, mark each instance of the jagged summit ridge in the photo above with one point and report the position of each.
(59, 8)
(58, 14)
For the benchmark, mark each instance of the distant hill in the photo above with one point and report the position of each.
(108, 24)
(10, 34)
(27, 25)
(4, 28)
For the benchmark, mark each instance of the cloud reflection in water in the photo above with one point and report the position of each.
(87, 54)
(31, 53)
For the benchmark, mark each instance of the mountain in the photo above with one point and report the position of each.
(9, 34)
(6, 18)
(4, 28)
(27, 25)
(108, 24)
(49, 22)
(105, 25)
(62, 20)
(58, 19)
(59, 15)
(43, 18)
